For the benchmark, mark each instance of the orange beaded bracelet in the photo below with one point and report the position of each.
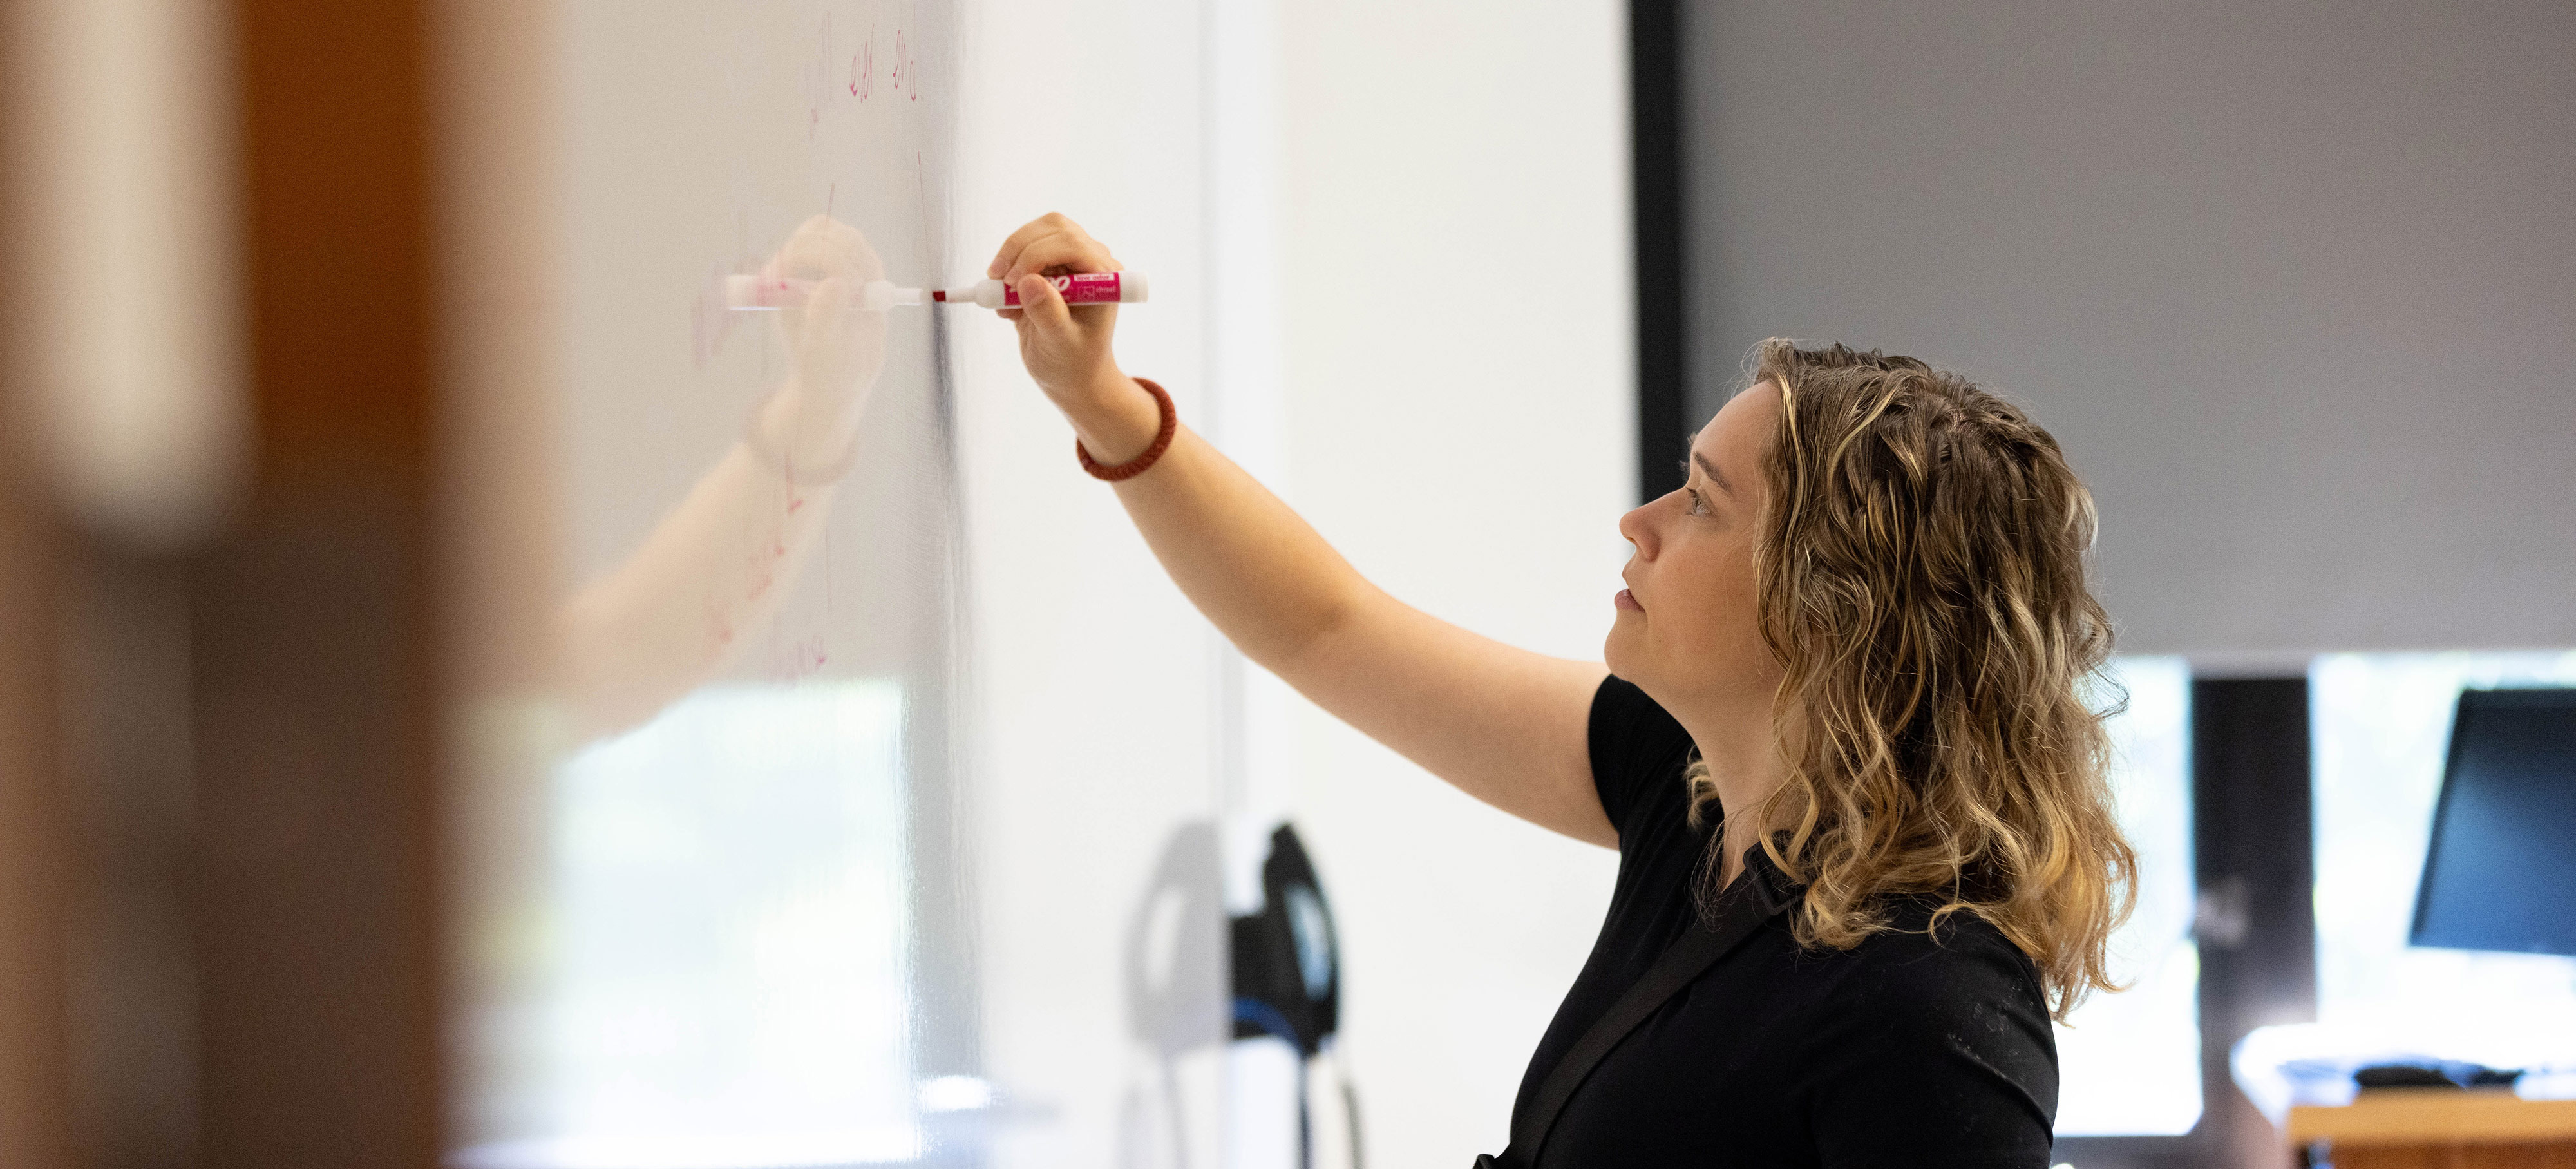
(1136, 466)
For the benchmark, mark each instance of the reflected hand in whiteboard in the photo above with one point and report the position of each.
(837, 348)
(715, 570)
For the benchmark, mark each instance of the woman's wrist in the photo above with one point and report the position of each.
(1115, 419)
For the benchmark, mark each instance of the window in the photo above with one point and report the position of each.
(2382, 731)
(724, 920)
(2129, 1063)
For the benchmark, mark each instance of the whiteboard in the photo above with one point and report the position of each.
(869, 816)
(736, 936)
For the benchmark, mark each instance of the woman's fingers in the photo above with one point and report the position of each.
(1048, 224)
(1042, 306)
(1049, 242)
(1035, 254)
(1058, 254)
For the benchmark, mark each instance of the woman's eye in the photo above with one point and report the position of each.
(1699, 506)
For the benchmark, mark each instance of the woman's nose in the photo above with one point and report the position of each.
(1639, 528)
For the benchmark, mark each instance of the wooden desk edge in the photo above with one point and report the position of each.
(2396, 1116)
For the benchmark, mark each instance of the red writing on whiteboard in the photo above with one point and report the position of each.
(863, 67)
(818, 83)
(762, 566)
(802, 660)
(905, 68)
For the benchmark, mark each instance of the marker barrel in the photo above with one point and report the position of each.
(1077, 288)
(771, 293)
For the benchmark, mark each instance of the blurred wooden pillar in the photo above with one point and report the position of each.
(34, 1060)
(310, 875)
(35, 1111)
(319, 942)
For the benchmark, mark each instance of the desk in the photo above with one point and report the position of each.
(2439, 1128)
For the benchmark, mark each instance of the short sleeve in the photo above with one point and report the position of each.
(1942, 1058)
(1635, 747)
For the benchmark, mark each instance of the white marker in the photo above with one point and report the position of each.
(770, 293)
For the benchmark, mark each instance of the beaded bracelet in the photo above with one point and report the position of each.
(1136, 466)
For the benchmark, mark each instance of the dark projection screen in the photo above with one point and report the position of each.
(2502, 864)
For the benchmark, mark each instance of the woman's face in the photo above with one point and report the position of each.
(1687, 632)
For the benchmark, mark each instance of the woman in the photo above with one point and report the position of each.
(1840, 746)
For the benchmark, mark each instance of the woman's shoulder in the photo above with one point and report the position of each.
(1630, 732)
(1931, 966)
(1637, 750)
(1621, 712)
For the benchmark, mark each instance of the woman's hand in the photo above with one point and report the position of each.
(1067, 347)
(836, 349)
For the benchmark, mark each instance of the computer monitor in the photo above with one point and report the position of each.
(2501, 871)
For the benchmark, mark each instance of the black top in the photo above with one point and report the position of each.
(1904, 1050)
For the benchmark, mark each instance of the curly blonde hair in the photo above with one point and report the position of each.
(1922, 581)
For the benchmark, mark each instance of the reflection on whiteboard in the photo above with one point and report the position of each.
(727, 930)
(719, 565)
(732, 936)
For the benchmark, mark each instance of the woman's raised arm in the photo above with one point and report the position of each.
(1503, 724)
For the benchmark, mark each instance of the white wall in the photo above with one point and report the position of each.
(1092, 719)
(2293, 283)
(1457, 418)
(1470, 453)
